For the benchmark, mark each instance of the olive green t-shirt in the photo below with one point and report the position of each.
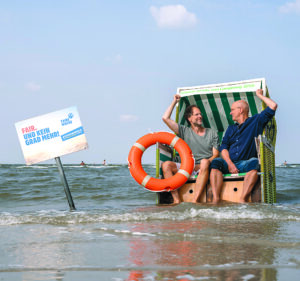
(201, 146)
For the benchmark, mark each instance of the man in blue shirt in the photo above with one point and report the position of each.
(238, 147)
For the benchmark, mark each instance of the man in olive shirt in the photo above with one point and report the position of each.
(204, 143)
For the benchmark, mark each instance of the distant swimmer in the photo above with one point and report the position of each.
(104, 162)
(82, 163)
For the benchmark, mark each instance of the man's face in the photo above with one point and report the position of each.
(235, 111)
(196, 118)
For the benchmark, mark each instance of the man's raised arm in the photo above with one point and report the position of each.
(167, 115)
(270, 103)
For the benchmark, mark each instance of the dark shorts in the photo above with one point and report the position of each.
(243, 166)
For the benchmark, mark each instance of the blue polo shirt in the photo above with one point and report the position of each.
(239, 139)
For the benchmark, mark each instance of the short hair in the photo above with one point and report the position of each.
(244, 105)
(189, 112)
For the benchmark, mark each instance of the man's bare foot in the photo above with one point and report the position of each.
(176, 200)
(216, 200)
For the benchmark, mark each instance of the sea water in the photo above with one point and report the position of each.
(117, 231)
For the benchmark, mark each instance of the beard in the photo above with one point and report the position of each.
(198, 124)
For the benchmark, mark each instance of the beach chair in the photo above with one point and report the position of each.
(214, 102)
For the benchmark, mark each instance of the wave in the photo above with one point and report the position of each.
(35, 167)
(45, 166)
(178, 213)
(287, 165)
(102, 166)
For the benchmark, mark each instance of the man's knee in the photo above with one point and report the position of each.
(215, 172)
(168, 166)
(204, 164)
(252, 173)
(219, 164)
(249, 165)
(254, 164)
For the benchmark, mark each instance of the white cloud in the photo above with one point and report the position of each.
(290, 7)
(118, 58)
(128, 118)
(32, 86)
(173, 16)
(115, 59)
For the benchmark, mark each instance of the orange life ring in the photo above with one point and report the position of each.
(154, 184)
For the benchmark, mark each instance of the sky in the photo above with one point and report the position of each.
(120, 62)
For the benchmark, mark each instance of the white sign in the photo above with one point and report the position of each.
(231, 87)
(51, 135)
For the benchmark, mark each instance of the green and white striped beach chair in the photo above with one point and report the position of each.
(214, 102)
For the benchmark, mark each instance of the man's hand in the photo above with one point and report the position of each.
(270, 103)
(177, 98)
(259, 92)
(232, 168)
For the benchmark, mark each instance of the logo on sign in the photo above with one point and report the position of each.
(67, 121)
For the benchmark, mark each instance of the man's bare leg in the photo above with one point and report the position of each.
(201, 179)
(249, 182)
(169, 169)
(216, 181)
(175, 195)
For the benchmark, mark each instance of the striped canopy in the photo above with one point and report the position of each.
(215, 101)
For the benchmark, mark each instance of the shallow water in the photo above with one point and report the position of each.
(119, 233)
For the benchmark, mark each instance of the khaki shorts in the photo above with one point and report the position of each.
(193, 173)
